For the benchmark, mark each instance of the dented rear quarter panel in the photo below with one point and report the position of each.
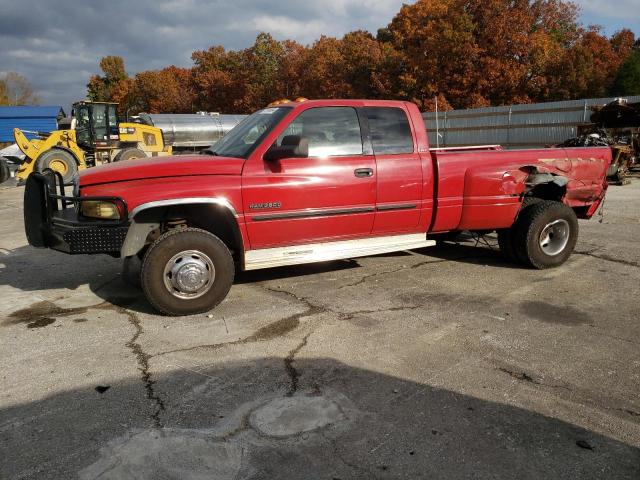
(482, 190)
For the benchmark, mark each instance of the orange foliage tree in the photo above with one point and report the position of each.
(465, 53)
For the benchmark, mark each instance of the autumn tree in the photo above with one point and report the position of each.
(291, 70)
(217, 81)
(161, 91)
(102, 88)
(16, 90)
(480, 52)
(464, 53)
(322, 66)
(588, 68)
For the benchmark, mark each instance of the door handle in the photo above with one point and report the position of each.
(363, 172)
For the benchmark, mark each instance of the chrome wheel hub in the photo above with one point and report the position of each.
(554, 237)
(189, 274)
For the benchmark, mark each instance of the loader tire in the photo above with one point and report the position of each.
(129, 154)
(545, 234)
(186, 271)
(5, 173)
(59, 161)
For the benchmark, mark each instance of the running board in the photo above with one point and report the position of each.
(321, 252)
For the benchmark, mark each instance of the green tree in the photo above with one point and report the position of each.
(627, 81)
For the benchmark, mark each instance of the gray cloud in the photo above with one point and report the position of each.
(57, 44)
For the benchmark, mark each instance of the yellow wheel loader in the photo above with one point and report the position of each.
(94, 137)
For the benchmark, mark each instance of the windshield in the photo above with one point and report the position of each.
(248, 134)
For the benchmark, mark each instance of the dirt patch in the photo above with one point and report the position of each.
(41, 314)
(548, 313)
(41, 322)
(275, 329)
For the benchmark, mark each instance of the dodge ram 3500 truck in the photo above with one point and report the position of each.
(312, 181)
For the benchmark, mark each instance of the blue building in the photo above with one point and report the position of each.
(28, 117)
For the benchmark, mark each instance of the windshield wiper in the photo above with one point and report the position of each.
(210, 152)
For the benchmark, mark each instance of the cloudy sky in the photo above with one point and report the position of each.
(57, 44)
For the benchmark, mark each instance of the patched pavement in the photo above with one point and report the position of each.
(445, 362)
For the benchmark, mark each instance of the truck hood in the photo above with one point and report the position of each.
(174, 166)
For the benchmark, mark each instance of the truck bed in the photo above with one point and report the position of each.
(477, 188)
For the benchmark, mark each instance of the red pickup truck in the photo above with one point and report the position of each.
(311, 181)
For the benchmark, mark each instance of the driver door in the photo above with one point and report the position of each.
(328, 196)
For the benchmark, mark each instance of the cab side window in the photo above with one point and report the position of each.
(331, 131)
(390, 130)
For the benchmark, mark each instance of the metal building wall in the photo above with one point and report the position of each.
(33, 118)
(513, 127)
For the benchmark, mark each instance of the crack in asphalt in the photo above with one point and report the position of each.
(367, 277)
(525, 377)
(242, 426)
(364, 279)
(522, 376)
(628, 411)
(608, 258)
(266, 333)
(143, 365)
(291, 370)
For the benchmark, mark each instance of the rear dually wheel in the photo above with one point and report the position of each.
(545, 234)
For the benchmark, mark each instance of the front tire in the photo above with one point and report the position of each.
(186, 271)
(546, 234)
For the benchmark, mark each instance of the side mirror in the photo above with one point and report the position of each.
(293, 146)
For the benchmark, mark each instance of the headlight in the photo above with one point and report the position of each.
(100, 209)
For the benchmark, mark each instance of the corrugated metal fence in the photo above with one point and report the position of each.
(515, 126)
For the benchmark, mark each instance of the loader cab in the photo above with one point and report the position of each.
(96, 125)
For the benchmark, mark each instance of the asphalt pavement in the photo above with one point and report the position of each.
(446, 362)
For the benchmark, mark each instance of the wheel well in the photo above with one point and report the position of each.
(214, 218)
(548, 191)
(545, 185)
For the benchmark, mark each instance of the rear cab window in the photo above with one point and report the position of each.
(389, 130)
(331, 131)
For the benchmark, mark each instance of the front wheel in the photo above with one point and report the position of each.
(186, 271)
(546, 234)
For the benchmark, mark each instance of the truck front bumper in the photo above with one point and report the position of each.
(52, 220)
